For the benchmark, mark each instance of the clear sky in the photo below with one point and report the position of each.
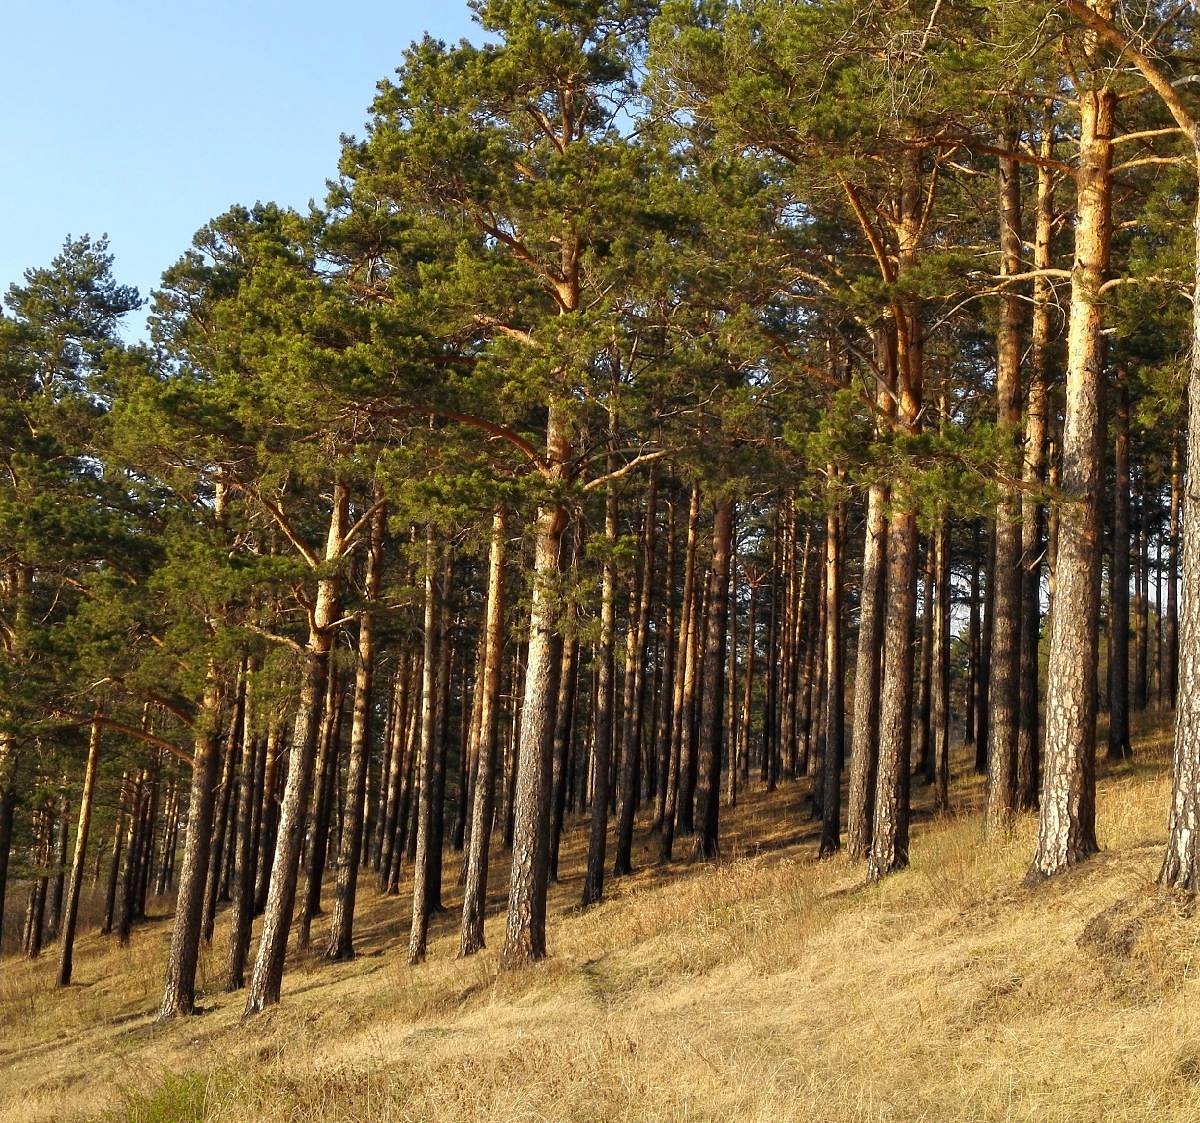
(143, 120)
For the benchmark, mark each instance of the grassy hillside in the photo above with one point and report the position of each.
(769, 987)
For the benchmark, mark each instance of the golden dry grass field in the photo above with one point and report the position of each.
(768, 987)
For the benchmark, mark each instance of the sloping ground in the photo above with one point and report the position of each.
(769, 987)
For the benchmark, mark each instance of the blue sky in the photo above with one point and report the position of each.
(144, 120)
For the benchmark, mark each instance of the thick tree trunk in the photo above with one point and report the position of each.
(864, 742)
(525, 931)
(1181, 864)
(1066, 822)
(179, 996)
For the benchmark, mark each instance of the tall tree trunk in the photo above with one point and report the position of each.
(593, 882)
(1067, 816)
(179, 996)
(341, 923)
(1033, 474)
(831, 803)
(234, 746)
(941, 666)
(1118, 600)
(635, 674)
(712, 702)
(525, 930)
(1171, 639)
(66, 941)
(483, 809)
(868, 670)
(1181, 863)
(267, 977)
(426, 763)
(1004, 679)
(680, 726)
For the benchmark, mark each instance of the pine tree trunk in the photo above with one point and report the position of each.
(179, 996)
(635, 675)
(831, 803)
(267, 977)
(483, 809)
(234, 746)
(680, 700)
(1004, 685)
(341, 923)
(941, 666)
(66, 941)
(1033, 511)
(1171, 638)
(525, 930)
(593, 882)
(712, 702)
(864, 736)
(1066, 822)
(1118, 599)
(426, 763)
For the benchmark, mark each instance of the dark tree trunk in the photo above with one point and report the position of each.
(324, 780)
(712, 702)
(1118, 597)
(179, 996)
(341, 924)
(635, 674)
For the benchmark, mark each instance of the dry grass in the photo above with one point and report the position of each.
(769, 987)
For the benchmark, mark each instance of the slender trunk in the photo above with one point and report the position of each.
(341, 924)
(1118, 598)
(712, 702)
(483, 809)
(418, 937)
(1033, 511)
(593, 882)
(1004, 678)
(635, 675)
(267, 977)
(66, 942)
(831, 804)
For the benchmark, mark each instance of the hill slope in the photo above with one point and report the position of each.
(768, 987)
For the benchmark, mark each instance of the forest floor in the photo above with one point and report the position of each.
(766, 987)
